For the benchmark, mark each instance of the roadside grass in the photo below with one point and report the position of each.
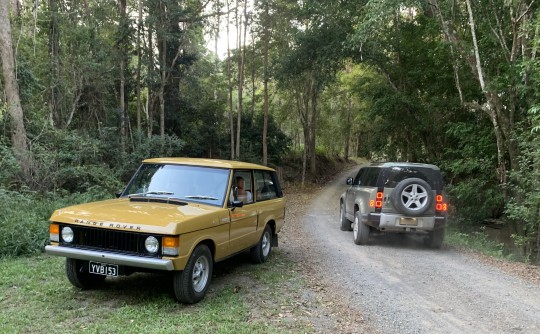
(478, 241)
(35, 297)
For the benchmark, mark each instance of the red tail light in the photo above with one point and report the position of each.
(377, 203)
(440, 205)
(378, 200)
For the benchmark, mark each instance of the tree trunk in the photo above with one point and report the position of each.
(18, 131)
(229, 81)
(265, 84)
(55, 111)
(348, 130)
(139, 64)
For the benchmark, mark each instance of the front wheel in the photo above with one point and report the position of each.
(191, 284)
(360, 230)
(78, 275)
(260, 252)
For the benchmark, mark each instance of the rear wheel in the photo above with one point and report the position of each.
(345, 223)
(360, 230)
(435, 238)
(78, 275)
(191, 284)
(261, 251)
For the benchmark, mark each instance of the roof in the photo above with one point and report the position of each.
(207, 163)
(403, 164)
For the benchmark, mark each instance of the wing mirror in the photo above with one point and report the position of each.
(349, 180)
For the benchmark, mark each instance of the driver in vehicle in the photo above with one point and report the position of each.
(241, 194)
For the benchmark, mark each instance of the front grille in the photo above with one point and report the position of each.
(123, 242)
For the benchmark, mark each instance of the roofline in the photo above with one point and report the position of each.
(219, 163)
(403, 164)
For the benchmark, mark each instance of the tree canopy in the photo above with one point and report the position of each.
(91, 88)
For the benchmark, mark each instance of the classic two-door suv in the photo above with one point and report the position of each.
(178, 215)
(395, 197)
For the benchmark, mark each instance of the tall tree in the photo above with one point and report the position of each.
(15, 111)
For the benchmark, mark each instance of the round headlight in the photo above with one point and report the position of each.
(67, 234)
(151, 244)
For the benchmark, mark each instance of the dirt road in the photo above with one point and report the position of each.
(397, 285)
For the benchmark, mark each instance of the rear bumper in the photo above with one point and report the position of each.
(104, 257)
(400, 223)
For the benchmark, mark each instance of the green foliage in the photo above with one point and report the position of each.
(468, 162)
(524, 207)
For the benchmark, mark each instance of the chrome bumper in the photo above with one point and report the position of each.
(123, 260)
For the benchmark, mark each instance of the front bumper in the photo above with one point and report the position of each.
(98, 256)
(400, 223)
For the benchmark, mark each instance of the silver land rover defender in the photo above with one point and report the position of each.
(395, 197)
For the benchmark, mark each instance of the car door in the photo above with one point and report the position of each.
(244, 219)
(352, 192)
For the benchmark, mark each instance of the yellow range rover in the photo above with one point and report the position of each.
(177, 215)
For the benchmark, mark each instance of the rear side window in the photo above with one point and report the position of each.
(266, 186)
(369, 179)
(395, 175)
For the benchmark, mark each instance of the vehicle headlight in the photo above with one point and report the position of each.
(151, 244)
(67, 234)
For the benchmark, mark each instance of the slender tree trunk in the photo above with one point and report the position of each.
(55, 111)
(139, 64)
(348, 130)
(242, 52)
(265, 82)
(229, 81)
(11, 87)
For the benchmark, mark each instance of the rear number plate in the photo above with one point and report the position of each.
(103, 269)
(408, 221)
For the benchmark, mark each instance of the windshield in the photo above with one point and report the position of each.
(188, 183)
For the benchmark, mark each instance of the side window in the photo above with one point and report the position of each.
(369, 179)
(266, 186)
(358, 177)
(242, 186)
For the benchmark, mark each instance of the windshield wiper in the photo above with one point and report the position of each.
(202, 197)
(151, 193)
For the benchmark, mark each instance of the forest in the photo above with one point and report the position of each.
(90, 88)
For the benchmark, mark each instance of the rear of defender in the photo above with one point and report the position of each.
(394, 197)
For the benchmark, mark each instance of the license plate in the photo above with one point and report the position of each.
(408, 221)
(103, 269)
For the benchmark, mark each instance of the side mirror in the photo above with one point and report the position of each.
(237, 204)
(118, 194)
(349, 180)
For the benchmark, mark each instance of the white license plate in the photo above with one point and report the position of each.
(103, 269)
(408, 221)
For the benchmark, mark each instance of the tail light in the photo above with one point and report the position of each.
(377, 203)
(439, 204)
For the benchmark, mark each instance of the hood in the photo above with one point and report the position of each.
(123, 214)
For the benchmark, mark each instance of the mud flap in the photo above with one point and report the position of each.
(275, 240)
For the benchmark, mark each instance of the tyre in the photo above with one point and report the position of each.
(412, 197)
(345, 223)
(191, 284)
(360, 230)
(78, 275)
(435, 238)
(261, 251)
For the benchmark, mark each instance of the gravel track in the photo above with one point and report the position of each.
(396, 284)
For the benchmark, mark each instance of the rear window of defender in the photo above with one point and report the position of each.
(393, 175)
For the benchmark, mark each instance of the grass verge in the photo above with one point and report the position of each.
(35, 297)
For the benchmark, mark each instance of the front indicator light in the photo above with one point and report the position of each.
(67, 234)
(170, 246)
(151, 244)
(54, 233)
